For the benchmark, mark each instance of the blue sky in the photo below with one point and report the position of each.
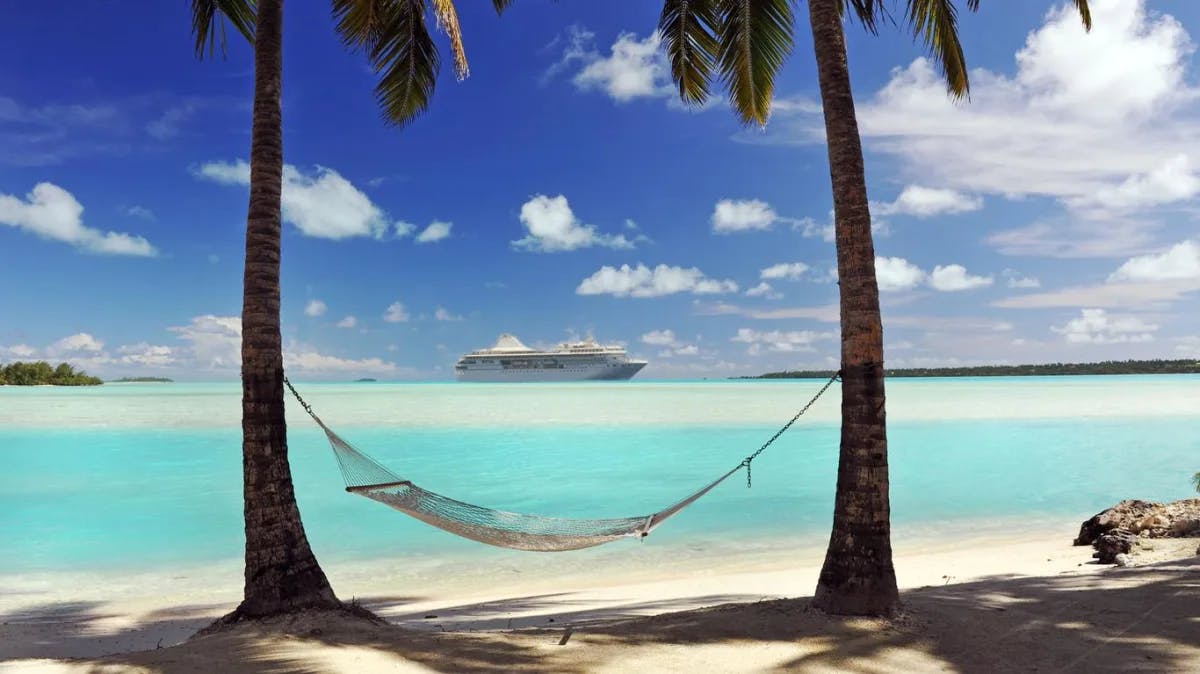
(560, 190)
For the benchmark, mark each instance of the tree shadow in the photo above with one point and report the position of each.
(1135, 619)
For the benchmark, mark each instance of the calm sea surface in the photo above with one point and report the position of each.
(148, 475)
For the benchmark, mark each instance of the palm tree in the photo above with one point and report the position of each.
(747, 42)
(282, 574)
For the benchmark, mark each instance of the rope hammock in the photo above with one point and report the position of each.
(367, 477)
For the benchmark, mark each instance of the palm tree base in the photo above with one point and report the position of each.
(288, 619)
(860, 597)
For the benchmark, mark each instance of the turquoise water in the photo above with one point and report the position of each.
(149, 475)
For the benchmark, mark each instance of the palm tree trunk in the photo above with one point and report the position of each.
(857, 577)
(282, 573)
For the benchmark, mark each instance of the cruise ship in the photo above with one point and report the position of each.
(510, 360)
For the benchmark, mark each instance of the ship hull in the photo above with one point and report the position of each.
(615, 372)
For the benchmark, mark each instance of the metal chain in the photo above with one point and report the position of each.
(746, 462)
(306, 406)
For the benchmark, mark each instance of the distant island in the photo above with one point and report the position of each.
(132, 380)
(365, 379)
(42, 373)
(1185, 366)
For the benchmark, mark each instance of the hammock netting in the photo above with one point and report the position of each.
(520, 531)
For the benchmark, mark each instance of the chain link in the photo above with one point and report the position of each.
(747, 461)
(306, 406)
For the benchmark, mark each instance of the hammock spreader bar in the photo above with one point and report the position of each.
(367, 477)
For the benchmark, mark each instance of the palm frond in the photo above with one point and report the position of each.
(868, 12)
(687, 28)
(1085, 13)
(501, 5)
(359, 22)
(935, 22)
(447, 21)
(209, 17)
(406, 59)
(755, 37)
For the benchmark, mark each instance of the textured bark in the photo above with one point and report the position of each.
(282, 573)
(857, 577)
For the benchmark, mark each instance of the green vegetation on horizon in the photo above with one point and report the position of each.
(1184, 366)
(132, 380)
(42, 373)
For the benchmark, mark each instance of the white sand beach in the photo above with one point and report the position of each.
(1018, 603)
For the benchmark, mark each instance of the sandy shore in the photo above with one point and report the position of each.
(972, 604)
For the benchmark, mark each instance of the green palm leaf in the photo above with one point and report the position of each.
(406, 59)
(868, 12)
(755, 37)
(687, 28)
(935, 22)
(209, 17)
(501, 5)
(359, 22)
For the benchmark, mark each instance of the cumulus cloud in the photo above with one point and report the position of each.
(215, 342)
(1180, 262)
(75, 344)
(673, 346)
(742, 215)
(764, 289)
(634, 68)
(306, 359)
(441, 314)
(1097, 326)
(791, 271)
(320, 204)
(779, 341)
(348, 322)
(396, 313)
(1103, 122)
(924, 202)
(314, 308)
(659, 338)
(436, 231)
(552, 227)
(1017, 280)
(52, 212)
(642, 281)
(896, 273)
(954, 277)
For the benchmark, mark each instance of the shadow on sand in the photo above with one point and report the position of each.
(1118, 620)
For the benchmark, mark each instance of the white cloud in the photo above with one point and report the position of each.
(215, 342)
(141, 212)
(1111, 294)
(322, 204)
(1172, 181)
(18, 351)
(779, 341)
(305, 359)
(742, 215)
(954, 277)
(78, 343)
(642, 281)
(314, 308)
(436, 231)
(1088, 119)
(441, 314)
(784, 270)
(552, 227)
(396, 313)
(348, 322)
(925, 202)
(143, 354)
(1096, 326)
(634, 69)
(53, 213)
(896, 273)
(1180, 262)
(403, 229)
(1018, 280)
(764, 289)
(659, 338)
